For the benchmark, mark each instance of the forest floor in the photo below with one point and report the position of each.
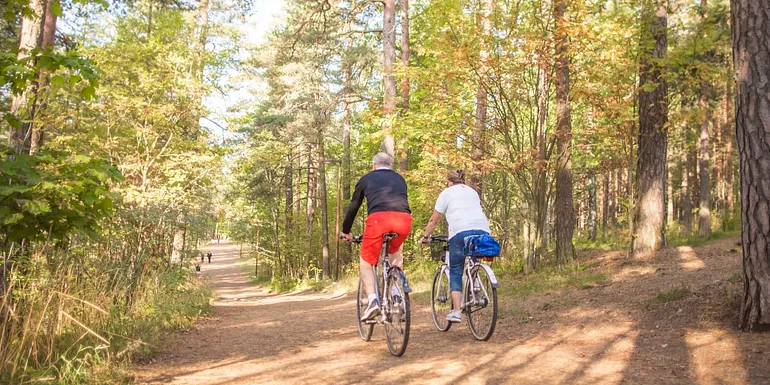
(664, 320)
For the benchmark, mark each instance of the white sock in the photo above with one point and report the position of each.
(372, 298)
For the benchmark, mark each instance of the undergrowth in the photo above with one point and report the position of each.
(82, 321)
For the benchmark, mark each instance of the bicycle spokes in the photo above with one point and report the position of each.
(441, 300)
(397, 314)
(482, 305)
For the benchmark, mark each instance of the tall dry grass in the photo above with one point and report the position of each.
(78, 314)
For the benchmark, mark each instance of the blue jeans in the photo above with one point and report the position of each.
(457, 258)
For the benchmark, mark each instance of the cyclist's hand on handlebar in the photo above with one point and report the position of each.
(346, 237)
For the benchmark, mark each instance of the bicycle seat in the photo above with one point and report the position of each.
(389, 236)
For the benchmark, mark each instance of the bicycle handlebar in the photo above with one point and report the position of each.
(356, 238)
(439, 238)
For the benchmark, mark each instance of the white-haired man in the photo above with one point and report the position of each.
(388, 208)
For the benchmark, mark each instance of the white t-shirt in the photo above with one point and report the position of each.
(462, 207)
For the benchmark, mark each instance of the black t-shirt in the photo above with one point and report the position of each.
(384, 190)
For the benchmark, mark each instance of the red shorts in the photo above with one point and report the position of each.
(380, 223)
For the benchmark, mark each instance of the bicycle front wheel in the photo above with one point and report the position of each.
(364, 329)
(398, 315)
(441, 299)
(481, 307)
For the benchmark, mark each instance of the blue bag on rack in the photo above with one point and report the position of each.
(481, 246)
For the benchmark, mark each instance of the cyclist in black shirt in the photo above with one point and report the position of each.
(388, 208)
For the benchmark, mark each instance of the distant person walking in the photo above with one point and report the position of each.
(209, 256)
(202, 256)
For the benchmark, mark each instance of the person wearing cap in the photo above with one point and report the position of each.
(461, 206)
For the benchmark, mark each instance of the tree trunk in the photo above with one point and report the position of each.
(539, 171)
(403, 160)
(23, 106)
(704, 211)
(565, 215)
(348, 249)
(615, 198)
(389, 57)
(178, 242)
(751, 58)
(204, 8)
(729, 136)
(605, 200)
(48, 39)
(650, 230)
(592, 204)
(479, 142)
(530, 242)
(288, 180)
(312, 188)
(506, 215)
(324, 206)
(685, 202)
(669, 198)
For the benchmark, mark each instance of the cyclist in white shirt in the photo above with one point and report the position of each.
(462, 207)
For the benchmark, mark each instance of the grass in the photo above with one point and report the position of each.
(673, 294)
(247, 269)
(285, 284)
(514, 284)
(549, 280)
(675, 239)
(602, 244)
(581, 275)
(696, 240)
(81, 330)
(514, 311)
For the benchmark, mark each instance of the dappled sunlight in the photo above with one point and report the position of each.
(593, 314)
(575, 356)
(715, 358)
(688, 259)
(593, 335)
(608, 368)
(631, 272)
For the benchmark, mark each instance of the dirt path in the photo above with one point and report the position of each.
(613, 333)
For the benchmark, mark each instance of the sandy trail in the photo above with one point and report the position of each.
(601, 335)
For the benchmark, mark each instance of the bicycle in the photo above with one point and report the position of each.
(479, 304)
(395, 313)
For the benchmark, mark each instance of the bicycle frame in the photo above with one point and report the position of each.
(385, 302)
(468, 267)
(385, 270)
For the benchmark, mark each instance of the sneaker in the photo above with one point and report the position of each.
(454, 316)
(371, 311)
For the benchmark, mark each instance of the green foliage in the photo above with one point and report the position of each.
(88, 223)
(50, 194)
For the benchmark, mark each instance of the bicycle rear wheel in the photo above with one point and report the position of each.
(398, 316)
(440, 299)
(481, 313)
(364, 329)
